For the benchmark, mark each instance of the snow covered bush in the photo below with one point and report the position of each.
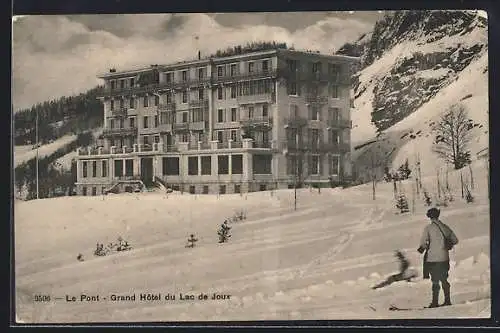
(223, 232)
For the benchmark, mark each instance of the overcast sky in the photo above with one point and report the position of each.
(62, 55)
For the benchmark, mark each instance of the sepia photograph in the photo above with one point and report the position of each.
(263, 166)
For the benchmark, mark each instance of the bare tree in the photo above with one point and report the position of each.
(453, 136)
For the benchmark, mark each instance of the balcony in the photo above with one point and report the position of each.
(295, 122)
(181, 126)
(238, 76)
(314, 99)
(164, 128)
(199, 103)
(254, 99)
(262, 144)
(198, 125)
(119, 112)
(257, 122)
(166, 107)
(129, 131)
(339, 123)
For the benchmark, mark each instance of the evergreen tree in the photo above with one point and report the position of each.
(191, 241)
(402, 203)
(468, 196)
(223, 232)
(404, 170)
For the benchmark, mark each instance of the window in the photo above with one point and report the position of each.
(201, 94)
(184, 97)
(220, 115)
(132, 122)
(156, 121)
(121, 122)
(122, 102)
(113, 85)
(291, 165)
(250, 112)
(234, 135)
(314, 165)
(145, 140)
(292, 88)
(112, 104)
(192, 165)
(220, 136)
(206, 165)
(265, 111)
(94, 169)
(104, 169)
(118, 168)
(237, 164)
(334, 91)
(145, 121)
(333, 114)
(250, 67)
(205, 189)
(294, 111)
(237, 188)
(185, 117)
(222, 189)
(94, 189)
(156, 139)
(84, 169)
(169, 77)
(132, 103)
(157, 100)
(146, 101)
(84, 190)
(334, 136)
(315, 137)
(170, 166)
(184, 75)
(316, 67)
(233, 70)
(265, 65)
(132, 82)
(184, 137)
(223, 164)
(233, 91)
(122, 84)
(201, 73)
(233, 114)
(220, 71)
(169, 97)
(192, 189)
(292, 65)
(334, 165)
(262, 164)
(314, 112)
(262, 187)
(129, 167)
(219, 93)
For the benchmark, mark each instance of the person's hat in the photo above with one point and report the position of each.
(433, 213)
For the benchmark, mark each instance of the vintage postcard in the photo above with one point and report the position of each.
(251, 166)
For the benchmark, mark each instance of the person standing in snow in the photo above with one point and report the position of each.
(436, 241)
(404, 272)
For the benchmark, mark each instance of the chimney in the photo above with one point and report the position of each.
(199, 55)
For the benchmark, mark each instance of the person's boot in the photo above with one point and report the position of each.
(435, 296)
(446, 291)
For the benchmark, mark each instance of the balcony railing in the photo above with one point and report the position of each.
(339, 123)
(260, 98)
(164, 128)
(119, 112)
(295, 122)
(245, 75)
(261, 144)
(199, 103)
(198, 125)
(128, 177)
(166, 107)
(181, 126)
(314, 99)
(257, 122)
(119, 131)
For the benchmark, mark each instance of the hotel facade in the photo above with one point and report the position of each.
(249, 122)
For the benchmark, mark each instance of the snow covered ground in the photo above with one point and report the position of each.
(26, 153)
(318, 262)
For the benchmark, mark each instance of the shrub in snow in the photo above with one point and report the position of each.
(100, 251)
(122, 245)
(402, 203)
(191, 241)
(223, 232)
(427, 198)
(80, 257)
(404, 171)
(468, 196)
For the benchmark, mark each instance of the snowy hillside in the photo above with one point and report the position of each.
(318, 262)
(412, 56)
(26, 153)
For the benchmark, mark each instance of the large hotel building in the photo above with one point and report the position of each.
(248, 122)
